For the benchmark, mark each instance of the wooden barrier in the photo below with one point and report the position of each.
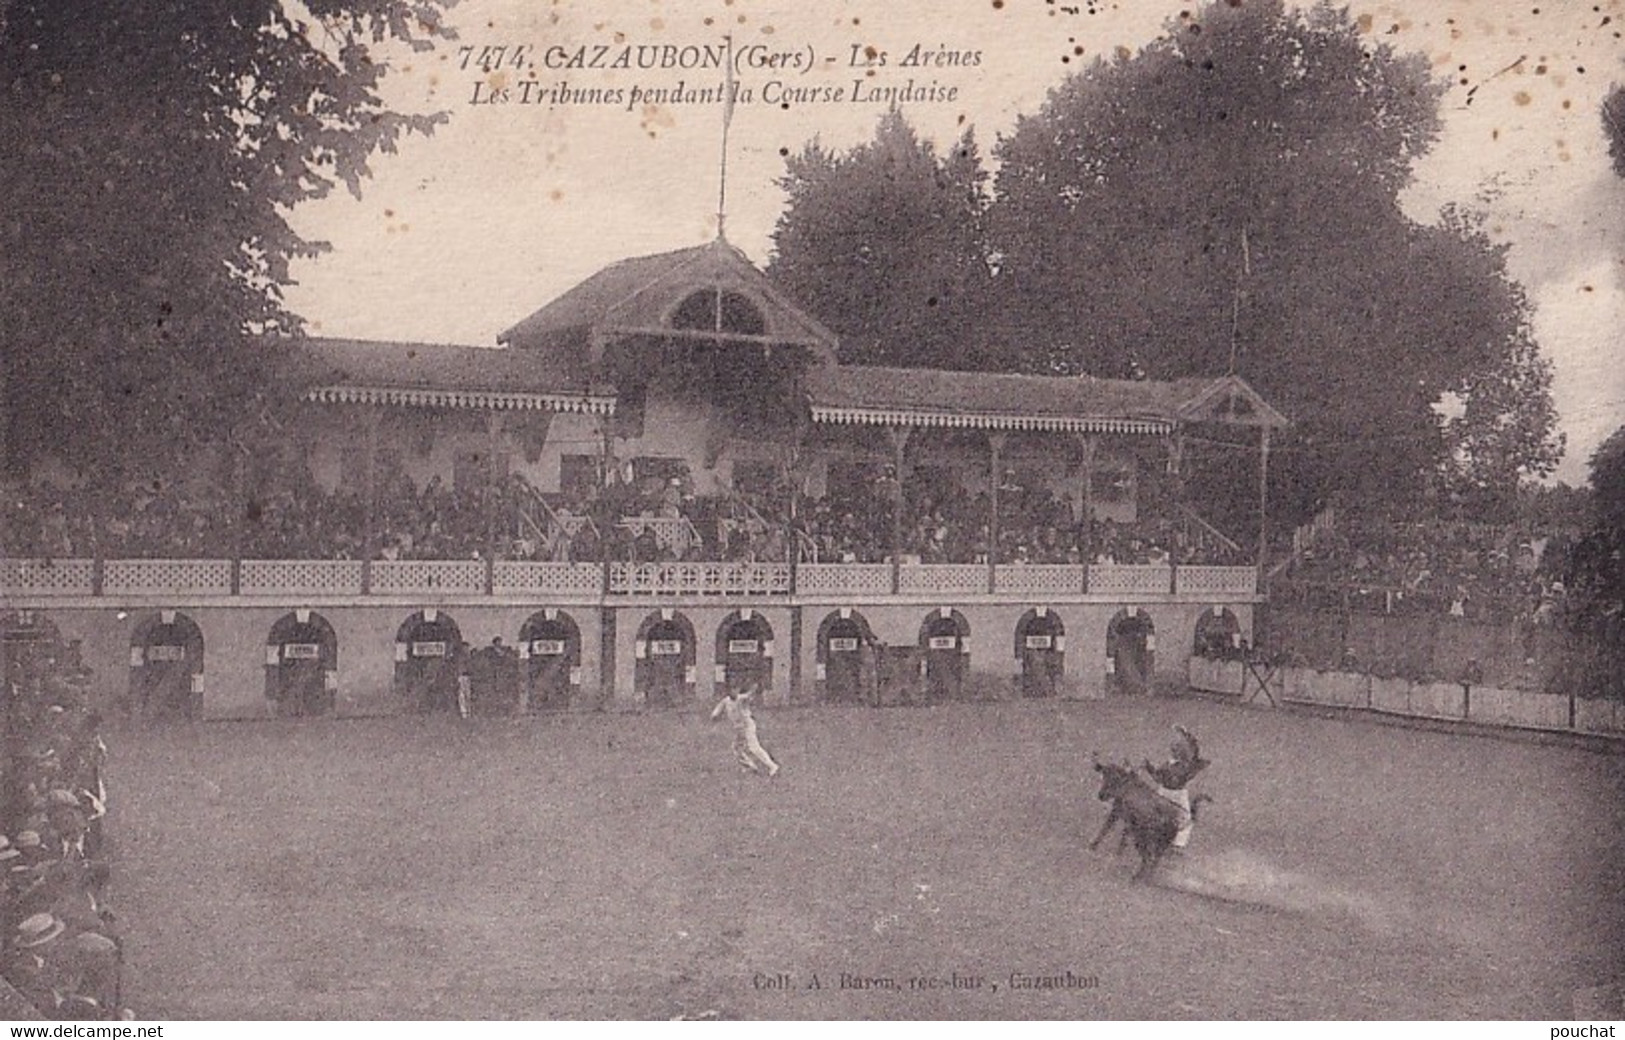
(1599, 716)
(1450, 701)
(1391, 695)
(1439, 700)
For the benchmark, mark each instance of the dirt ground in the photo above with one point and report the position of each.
(603, 866)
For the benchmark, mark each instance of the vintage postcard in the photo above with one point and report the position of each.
(689, 510)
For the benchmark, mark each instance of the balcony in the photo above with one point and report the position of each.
(31, 580)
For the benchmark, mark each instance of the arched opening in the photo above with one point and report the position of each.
(496, 683)
(1218, 634)
(745, 652)
(719, 310)
(550, 649)
(845, 654)
(166, 667)
(429, 658)
(1041, 649)
(945, 644)
(301, 664)
(30, 644)
(664, 654)
(1131, 650)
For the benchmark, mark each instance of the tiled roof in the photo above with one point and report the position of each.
(998, 400)
(427, 373)
(637, 295)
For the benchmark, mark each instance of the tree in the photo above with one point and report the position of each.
(1507, 426)
(1596, 571)
(1613, 126)
(150, 151)
(883, 244)
(1228, 198)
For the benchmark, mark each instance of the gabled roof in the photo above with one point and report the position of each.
(1228, 399)
(992, 400)
(374, 372)
(637, 296)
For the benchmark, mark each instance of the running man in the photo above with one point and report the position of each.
(748, 750)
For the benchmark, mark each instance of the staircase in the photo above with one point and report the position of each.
(1210, 543)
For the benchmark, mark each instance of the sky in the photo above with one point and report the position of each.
(460, 235)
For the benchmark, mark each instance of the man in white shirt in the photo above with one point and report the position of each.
(748, 749)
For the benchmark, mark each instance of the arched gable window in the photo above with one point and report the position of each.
(737, 314)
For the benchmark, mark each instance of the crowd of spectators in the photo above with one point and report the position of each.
(942, 523)
(651, 519)
(1474, 571)
(62, 950)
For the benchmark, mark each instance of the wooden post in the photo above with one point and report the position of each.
(898, 438)
(493, 480)
(995, 448)
(369, 496)
(1263, 499)
(1088, 444)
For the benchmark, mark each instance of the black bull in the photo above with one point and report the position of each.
(1148, 819)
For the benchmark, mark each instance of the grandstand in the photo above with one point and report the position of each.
(659, 484)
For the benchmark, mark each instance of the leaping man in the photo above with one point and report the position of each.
(1173, 779)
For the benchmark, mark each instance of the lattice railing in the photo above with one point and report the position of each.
(47, 577)
(314, 577)
(942, 578)
(407, 576)
(1202, 581)
(511, 577)
(208, 577)
(1113, 578)
(344, 578)
(843, 579)
(673, 534)
(699, 579)
(1047, 579)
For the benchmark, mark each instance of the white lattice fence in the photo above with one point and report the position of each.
(1047, 579)
(164, 576)
(943, 578)
(1118, 578)
(512, 577)
(1204, 581)
(316, 577)
(674, 534)
(699, 579)
(844, 579)
(47, 577)
(407, 576)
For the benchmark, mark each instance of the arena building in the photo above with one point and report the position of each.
(675, 489)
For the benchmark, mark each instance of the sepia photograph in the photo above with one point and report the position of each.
(710, 510)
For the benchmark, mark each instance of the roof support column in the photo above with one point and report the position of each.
(493, 491)
(1174, 442)
(1083, 500)
(1263, 500)
(995, 448)
(369, 493)
(897, 437)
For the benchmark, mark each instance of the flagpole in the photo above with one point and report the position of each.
(727, 118)
(1235, 300)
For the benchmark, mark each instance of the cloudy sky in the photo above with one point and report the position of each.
(460, 235)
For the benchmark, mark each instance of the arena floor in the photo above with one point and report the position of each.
(593, 866)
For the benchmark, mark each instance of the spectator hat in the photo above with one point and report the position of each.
(28, 840)
(95, 944)
(61, 798)
(38, 930)
(6, 851)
